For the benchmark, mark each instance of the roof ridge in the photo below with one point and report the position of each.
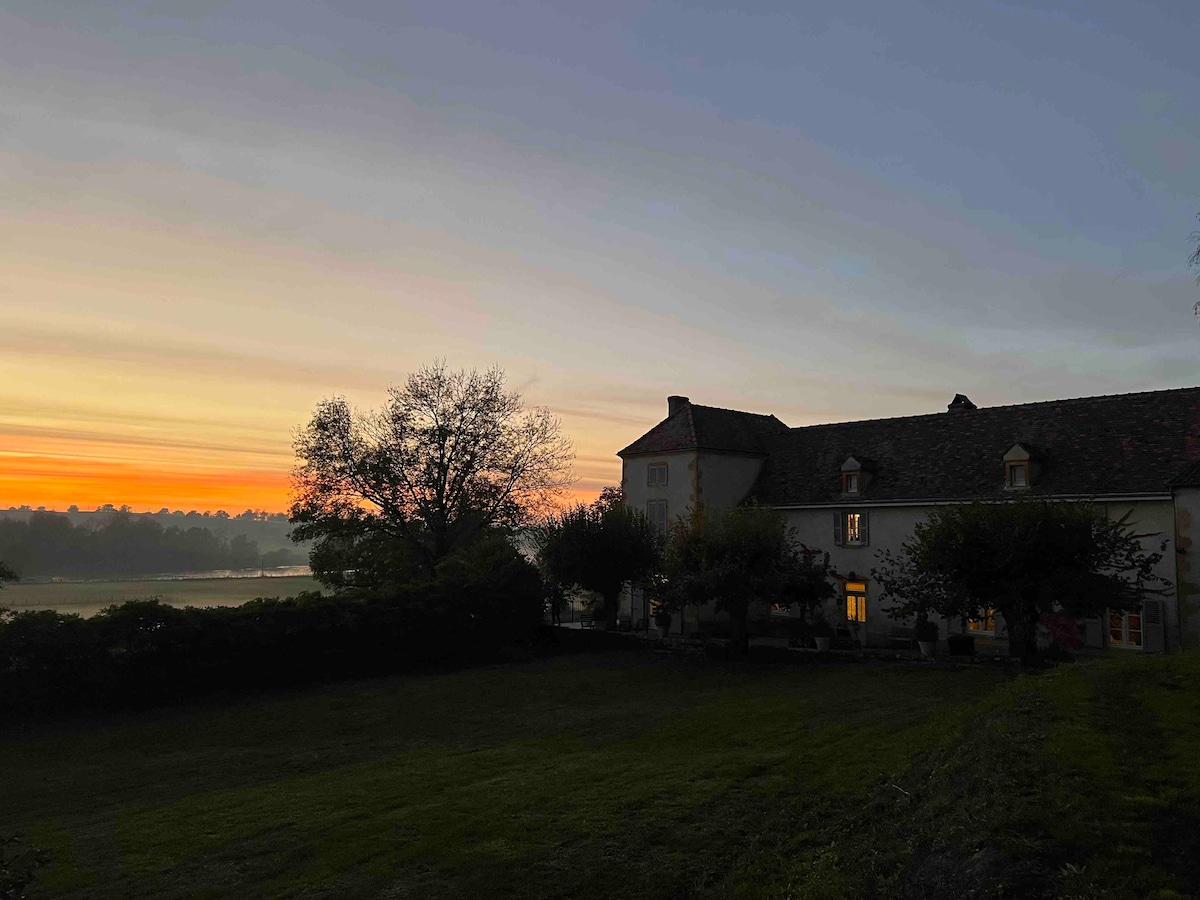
(989, 408)
(740, 412)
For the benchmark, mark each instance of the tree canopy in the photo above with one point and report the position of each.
(599, 547)
(450, 455)
(1023, 559)
(739, 556)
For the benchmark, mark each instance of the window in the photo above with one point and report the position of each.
(984, 625)
(856, 601)
(656, 512)
(656, 474)
(1125, 629)
(850, 529)
(1019, 468)
(850, 483)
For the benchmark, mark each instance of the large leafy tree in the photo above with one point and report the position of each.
(387, 494)
(599, 547)
(1023, 558)
(739, 556)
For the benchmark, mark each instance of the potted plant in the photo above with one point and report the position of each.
(822, 634)
(926, 633)
(662, 619)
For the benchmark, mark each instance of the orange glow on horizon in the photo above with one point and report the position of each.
(57, 483)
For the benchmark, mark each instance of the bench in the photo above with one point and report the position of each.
(587, 621)
(902, 637)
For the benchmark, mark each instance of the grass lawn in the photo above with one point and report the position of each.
(87, 598)
(626, 777)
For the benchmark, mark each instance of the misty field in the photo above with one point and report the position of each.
(631, 777)
(89, 597)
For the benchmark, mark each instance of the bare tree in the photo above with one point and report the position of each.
(450, 455)
(1194, 261)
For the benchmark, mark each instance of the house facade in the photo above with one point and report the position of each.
(854, 488)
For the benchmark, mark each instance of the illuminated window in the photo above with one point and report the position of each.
(850, 483)
(850, 529)
(856, 601)
(1124, 629)
(656, 512)
(656, 474)
(984, 625)
(853, 528)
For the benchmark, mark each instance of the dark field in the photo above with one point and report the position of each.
(623, 777)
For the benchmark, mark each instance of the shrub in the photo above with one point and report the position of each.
(482, 602)
(1064, 630)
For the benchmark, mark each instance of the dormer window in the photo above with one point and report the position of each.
(1018, 468)
(856, 472)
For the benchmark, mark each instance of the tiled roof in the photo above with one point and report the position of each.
(707, 428)
(1120, 444)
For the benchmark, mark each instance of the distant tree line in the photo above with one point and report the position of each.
(248, 515)
(119, 543)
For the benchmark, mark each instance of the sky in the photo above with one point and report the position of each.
(214, 215)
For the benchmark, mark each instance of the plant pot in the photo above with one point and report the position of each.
(927, 648)
(961, 644)
(822, 643)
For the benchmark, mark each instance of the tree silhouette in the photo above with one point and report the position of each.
(449, 456)
(599, 547)
(1022, 559)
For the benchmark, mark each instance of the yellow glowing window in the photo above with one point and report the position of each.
(856, 601)
(1124, 629)
(853, 528)
(985, 624)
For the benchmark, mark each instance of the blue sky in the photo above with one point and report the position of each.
(216, 214)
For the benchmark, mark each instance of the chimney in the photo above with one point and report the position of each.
(961, 401)
(676, 403)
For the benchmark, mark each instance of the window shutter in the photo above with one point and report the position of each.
(1153, 638)
(837, 529)
(863, 536)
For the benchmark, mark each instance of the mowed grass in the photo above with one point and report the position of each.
(620, 776)
(89, 597)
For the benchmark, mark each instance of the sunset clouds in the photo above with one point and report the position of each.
(213, 216)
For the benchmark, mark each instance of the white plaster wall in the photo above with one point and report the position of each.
(889, 527)
(679, 491)
(1187, 566)
(1156, 518)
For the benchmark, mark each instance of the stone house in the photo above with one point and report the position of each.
(854, 487)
